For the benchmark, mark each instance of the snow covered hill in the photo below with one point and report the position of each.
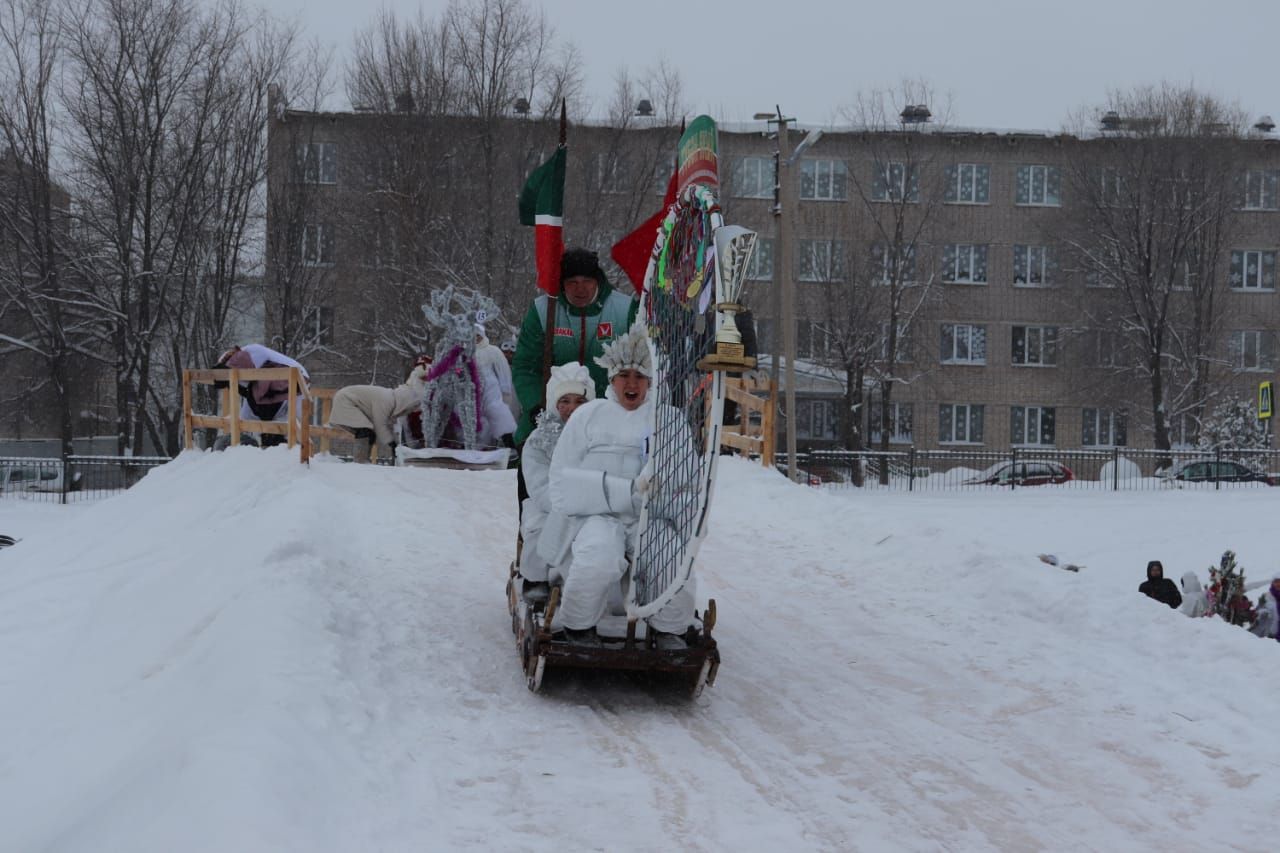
(244, 654)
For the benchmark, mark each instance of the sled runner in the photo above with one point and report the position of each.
(540, 649)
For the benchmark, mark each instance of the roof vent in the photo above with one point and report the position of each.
(1111, 120)
(1265, 125)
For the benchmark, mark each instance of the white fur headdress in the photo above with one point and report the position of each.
(571, 378)
(629, 352)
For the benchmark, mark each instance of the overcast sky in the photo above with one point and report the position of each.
(1006, 63)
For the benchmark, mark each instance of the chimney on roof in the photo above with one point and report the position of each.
(1111, 120)
(522, 106)
(915, 114)
(1264, 125)
(404, 102)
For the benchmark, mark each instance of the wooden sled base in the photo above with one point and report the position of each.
(695, 665)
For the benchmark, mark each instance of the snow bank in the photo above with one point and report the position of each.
(243, 653)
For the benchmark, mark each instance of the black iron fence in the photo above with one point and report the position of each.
(1111, 469)
(71, 478)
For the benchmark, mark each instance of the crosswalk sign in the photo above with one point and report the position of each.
(1265, 401)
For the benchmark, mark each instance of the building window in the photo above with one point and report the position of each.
(816, 419)
(1111, 191)
(904, 343)
(1031, 266)
(820, 260)
(1253, 350)
(964, 344)
(760, 267)
(1184, 431)
(317, 244)
(822, 180)
(1108, 351)
(1253, 269)
(1038, 185)
(964, 263)
(319, 325)
(968, 183)
(1260, 189)
(1103, 428)
(318, 162)
(885, 263)
(613, 173)
(895, 181)
(752, 177)
(1033, 425)
(960, 423)
(812, 341)
(765, 335)
(900, 419)
(1035, 345)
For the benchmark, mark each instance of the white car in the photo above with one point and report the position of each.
(34, 478)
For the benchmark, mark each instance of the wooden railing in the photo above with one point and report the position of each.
(751, 436)
(302, 432)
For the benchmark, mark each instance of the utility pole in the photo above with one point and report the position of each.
(784, 192)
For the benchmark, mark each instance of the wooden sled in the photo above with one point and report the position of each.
(696, 665)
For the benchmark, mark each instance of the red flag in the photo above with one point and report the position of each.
(632, 252)
(542, 206)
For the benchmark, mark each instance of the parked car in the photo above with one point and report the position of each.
(1216, 471)
(35, 478)
(1032, 472)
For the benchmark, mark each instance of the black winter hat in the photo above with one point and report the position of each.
(584, 262)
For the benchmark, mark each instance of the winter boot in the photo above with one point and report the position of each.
(585, 637)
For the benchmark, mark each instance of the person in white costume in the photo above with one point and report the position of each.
(570, 386)
(596, 489)
(497, 393)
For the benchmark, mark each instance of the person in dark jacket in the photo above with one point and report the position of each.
(1159, 587)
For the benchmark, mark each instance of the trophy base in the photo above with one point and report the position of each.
(727, 357)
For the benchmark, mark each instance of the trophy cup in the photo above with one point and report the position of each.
(734, 245)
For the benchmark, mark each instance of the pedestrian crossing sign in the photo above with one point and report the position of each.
(1265, 401)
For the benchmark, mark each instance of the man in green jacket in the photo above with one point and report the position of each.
(589, 314)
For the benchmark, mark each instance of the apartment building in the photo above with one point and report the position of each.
(1010, 338)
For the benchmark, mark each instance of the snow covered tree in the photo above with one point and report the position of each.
(1232, 425)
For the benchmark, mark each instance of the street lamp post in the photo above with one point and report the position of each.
(783, 288)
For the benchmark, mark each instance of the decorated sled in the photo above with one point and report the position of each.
(694, 275)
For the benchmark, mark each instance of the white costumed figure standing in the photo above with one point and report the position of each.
(569, 388)
(596, 489)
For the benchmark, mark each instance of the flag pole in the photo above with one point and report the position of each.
(549, 333)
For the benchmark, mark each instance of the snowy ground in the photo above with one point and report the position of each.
(244, 654)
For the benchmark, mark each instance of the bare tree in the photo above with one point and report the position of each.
(898, 179)
(1150, 218)
(42, 312)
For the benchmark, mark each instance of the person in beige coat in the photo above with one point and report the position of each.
(371, 411)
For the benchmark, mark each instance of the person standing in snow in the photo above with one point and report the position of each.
(495, 376)
(589, 313)
(1159, 587)
(596, 489)
(262, 399)
(371, 411)
(1195, 601)
(570, 386)
(1268, 622)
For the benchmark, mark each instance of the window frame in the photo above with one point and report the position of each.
(1046, 174)
(886, 187)
(1243, 266)
(1046, 419)
(325, 243)
(951, 254)
(897, 410)
(837, 179)
(1263, 178)
(1046, 341)
(323, 163)
(764, 177)
(1023, 255)
(970, 409)
(955, 182)
(970, 328)
(1111, 423)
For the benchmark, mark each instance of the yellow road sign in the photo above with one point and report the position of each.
(1265, 401)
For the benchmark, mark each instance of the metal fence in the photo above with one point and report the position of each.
(1112, 469)
(72, 478)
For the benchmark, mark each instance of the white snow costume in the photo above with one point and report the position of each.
(1195, 602)
(535, 464)
(377, 408)
(595, 507)
(497, 394)
(1268, 624)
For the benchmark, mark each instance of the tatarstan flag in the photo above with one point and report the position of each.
(542, 206)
